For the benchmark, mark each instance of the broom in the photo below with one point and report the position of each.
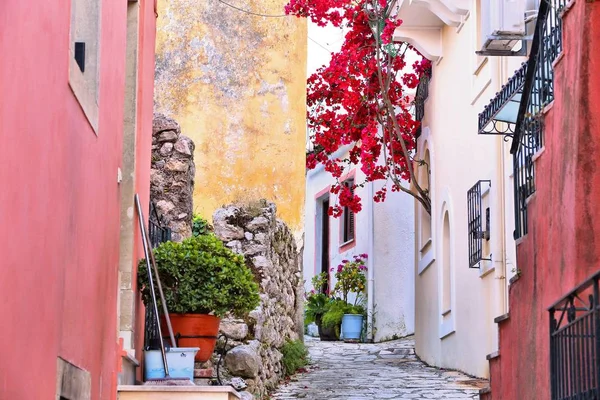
(167, 380)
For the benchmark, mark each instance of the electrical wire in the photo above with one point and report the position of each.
(269, 16)
(319, 44)
(253, 13)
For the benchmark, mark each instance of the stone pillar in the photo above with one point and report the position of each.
(172, 176)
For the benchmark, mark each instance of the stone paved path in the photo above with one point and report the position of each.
(374, 371)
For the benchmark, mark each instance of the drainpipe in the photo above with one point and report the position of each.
(504, 261)
(370, 262)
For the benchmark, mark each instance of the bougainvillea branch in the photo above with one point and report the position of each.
(362, 100)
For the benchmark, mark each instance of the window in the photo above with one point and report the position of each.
(324, 242)
(424, 177)
(479, 230)
(348, 218)
(447, 268)
(84, 48)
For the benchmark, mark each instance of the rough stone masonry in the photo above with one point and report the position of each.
(270, 251)
(172, 176)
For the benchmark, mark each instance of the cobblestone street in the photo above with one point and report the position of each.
(374, 371)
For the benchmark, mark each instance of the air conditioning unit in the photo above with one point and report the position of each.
(505, 26)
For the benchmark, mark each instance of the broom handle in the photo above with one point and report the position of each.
(151, 282)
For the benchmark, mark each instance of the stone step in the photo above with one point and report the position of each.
(485, 394)
(131, 392)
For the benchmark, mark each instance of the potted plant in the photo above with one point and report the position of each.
(351, 278)
(202, 281)
(317, 304)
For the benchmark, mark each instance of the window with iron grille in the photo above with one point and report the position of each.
(476, 226)
(348, 218)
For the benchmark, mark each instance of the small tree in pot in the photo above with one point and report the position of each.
(350, 275)
(202, 281)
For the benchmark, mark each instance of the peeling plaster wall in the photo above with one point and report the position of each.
(236, 84)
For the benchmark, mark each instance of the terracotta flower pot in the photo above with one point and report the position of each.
(195, 330)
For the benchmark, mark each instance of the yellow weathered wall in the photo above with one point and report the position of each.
(237, 85)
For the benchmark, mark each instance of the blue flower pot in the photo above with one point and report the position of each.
(352, 326)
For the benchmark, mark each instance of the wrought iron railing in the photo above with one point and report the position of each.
(475, 223)
(575, 343)
(537, 93)
(158, 234)
(490, 122)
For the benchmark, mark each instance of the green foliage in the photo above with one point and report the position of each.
(319, 282)
(316, 306)
(295, 356)
(200, 226)
(336, 310)
(202, 276)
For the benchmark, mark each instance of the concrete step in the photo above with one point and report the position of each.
(131, 392)
(128, 369)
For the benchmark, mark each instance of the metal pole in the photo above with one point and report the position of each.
(151, 281)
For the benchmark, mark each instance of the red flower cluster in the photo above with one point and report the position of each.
(360, 98)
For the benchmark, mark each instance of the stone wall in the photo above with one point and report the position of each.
(172, 176)
(270, 250)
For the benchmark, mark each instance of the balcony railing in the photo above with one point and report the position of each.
(537, 92)
(575, 343)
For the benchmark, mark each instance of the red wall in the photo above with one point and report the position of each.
(562, 247)
(59, 197)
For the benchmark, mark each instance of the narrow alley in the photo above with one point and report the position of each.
(387, 370)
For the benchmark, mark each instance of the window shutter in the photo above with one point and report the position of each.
(350, 226)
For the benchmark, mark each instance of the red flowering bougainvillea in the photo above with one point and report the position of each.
(360, 99)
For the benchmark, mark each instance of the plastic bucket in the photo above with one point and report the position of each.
(352, 326)
(179, 359)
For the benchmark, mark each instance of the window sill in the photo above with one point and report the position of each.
(485, 268)
(480, 64)
(447, 328)
(84, 96)
(426, 260)
(427, 243)
(347, 245)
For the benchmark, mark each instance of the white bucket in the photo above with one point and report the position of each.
(179, 359)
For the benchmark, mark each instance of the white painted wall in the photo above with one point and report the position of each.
(394, 272)
(392, 257)
(462, 85)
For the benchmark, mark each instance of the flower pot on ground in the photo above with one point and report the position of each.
(351, 280)
(317, 304)
(327, 333)
(352, 326)
(202, 281)
(334, 317)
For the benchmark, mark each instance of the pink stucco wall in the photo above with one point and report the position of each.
(59, 197)
(562, 247)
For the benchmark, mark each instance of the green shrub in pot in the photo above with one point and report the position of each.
(202, 276)
(202, 281)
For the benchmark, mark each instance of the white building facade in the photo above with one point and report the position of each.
(384, 231)
(464, 251)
